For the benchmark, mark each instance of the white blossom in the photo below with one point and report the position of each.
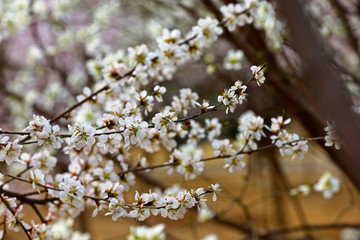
(235, 163)
(43, 161)
(46, 134)
(277, 124)
(76, 235)
(169, 37)
(13, 220)
(138, 55)
(110, 143)
(196, 133)
(73, 192)
(114, 71)
(233, 60)
(303, 189)
(228, 98)
(239, 88)
(147, 233)
(112, 190)
(189, 158)
(251, 129)
(296, 149)
(106, 171)
(290, 144)
(238, 14)
(258, 75)
(61, 229)
(223, 147)
(207, 30)
(188, 95)
(328, 185)
(82, 135)
(145, 100)
(158, 92)
(40, 231)
(205, 105)
(9, 151)
(205, 214)
(165, 120)
(134, 129)
(116, 209)
(37, 177)
(332, 137)
(213, 128)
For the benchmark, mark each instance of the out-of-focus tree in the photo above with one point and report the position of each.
(99, 95)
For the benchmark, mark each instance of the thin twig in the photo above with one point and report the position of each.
(4, 229)
(18, 175)
(168, 164)
(14, 214)
(38, 213)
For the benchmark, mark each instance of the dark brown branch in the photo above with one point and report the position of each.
(27, 200)
(325, 86)
(38, 213)
(4, 228)
(14, 214)
(136, 169)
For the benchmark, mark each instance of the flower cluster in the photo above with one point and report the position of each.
(40, 160)
(82, 135)
(13, 213)
(72, 192)
(233, 96)
(328, 185)
(9, 151)
(185, 101)
(110, 143)
(288, 144)
(15, 17)
(134, 129)
(258, 75)
(238, 14)
(172, 204)
(213, 128)
(147, 233)
(332, 137)
(63, 229)
(261, 13)
(45, 134)
(277, 124)
(165, 120)
(188, 160)
(251, 129)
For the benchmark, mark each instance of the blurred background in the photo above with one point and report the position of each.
(48, 53)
